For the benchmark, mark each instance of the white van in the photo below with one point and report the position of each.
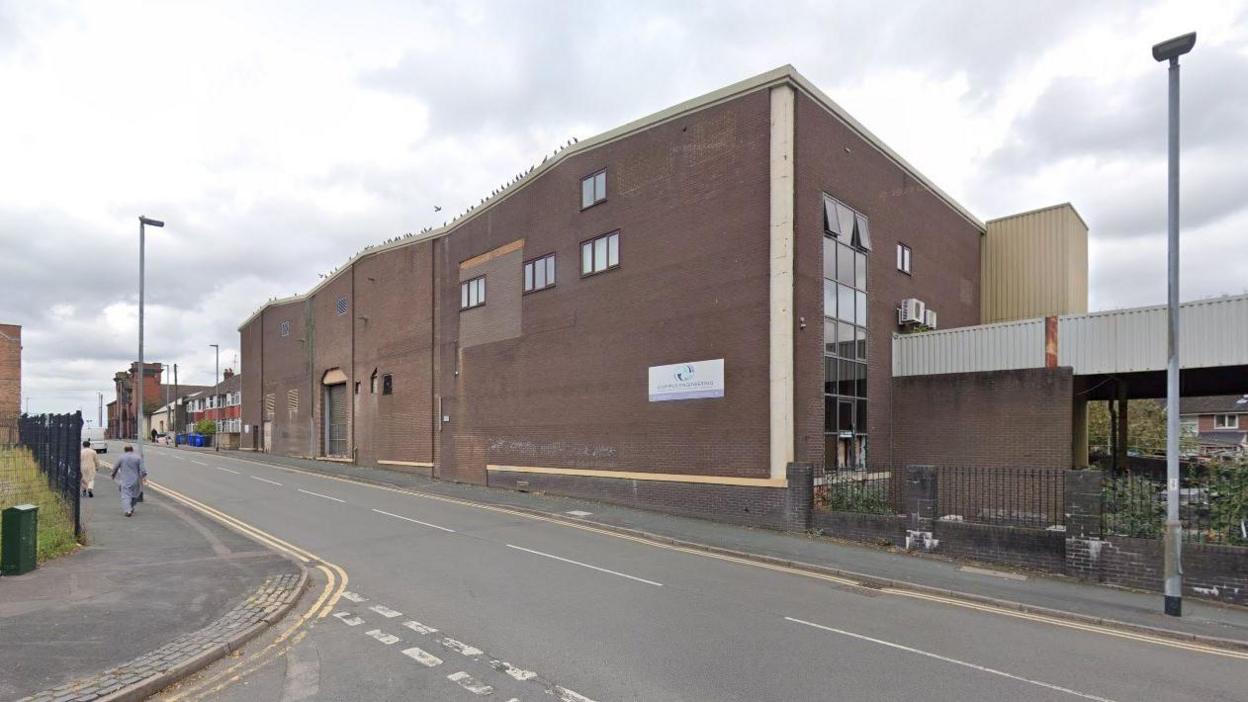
(96, 436)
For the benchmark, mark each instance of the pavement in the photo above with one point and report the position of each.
(137, 585)
(462, 592)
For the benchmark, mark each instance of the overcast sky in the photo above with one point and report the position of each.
(277, 138)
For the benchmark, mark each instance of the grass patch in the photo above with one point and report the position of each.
(21, 482)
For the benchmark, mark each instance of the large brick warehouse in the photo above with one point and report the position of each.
(669, 314)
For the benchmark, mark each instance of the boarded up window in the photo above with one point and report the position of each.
(292, 401)
(270, 405)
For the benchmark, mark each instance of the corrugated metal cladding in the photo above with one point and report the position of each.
(989, 347)
(1211, 333)
(1034, 264)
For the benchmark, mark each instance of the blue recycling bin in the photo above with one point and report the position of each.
(197, 440)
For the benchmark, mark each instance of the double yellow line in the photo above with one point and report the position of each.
(335, 583)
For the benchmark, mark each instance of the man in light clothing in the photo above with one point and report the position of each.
(90, 463)
(130, 468)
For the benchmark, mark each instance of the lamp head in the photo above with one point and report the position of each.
(151, 222)
(1171, 49)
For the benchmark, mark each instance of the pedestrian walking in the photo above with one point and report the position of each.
(90, 463)
(130, 468)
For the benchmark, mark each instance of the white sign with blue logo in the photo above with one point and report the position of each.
(687, 381)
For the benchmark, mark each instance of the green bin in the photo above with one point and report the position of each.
(19, 539)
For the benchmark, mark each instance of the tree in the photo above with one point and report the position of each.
(205, 426)
(1146, 428)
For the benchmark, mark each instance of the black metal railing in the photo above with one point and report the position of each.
(871, 490)
(53, 441)
(1002, 495)
(1213, 504)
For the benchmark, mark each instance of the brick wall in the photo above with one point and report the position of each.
(1038, 549)
(1209, 570)
(876, 529)
(10, 373)
(1002, 418)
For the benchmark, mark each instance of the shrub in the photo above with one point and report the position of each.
(22, 482)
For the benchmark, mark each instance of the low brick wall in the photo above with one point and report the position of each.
(786, 508)
(1209, 570)
(1040, 549)
(874, 529)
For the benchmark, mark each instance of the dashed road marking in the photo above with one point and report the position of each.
(422, 657)
(414, 521)
(227, 470)
(385, 611)
(201, 463)
(578, 513)
(470, 683)
(461, 647)
(317, 494)
(585, 565)
(265, 480)
(354, 597)
(419, 628)
(955, 661)
(566, 695)
(381, 636)
(517, 673)
(348, 618)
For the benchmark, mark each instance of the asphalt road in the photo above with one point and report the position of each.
(452, 601)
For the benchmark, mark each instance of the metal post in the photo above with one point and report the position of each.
(1174, 530)
(216, 405)
(139, 394)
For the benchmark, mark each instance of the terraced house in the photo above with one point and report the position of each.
(675, 313)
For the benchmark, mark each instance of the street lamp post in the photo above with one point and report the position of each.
(216, 380)
(143, 222)
(1170, 50)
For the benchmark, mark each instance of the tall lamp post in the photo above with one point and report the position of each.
(143, 222)
(216, 380)
(1170, 50)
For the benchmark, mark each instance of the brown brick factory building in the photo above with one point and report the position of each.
(10, 380)
(671, 314)
(122, 412)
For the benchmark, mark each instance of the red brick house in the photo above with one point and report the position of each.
(1220, 422)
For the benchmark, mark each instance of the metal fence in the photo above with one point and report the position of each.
(1002, 495)
(53, 440)
(875, 489)
(1213, 504)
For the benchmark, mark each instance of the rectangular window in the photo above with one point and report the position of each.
(600, 254)
(539, 273)
(593, 189)
(284, 329)
(903, 258)
(472, 293)
(387, 384)
(340, 305)
(1226, 421)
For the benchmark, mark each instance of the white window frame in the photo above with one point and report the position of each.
(905, 258)
(593, 189)
(540, 269)
(1226, 421)
(600, 254)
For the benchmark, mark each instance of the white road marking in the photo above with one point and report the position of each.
(192, 460)
(317, 494)
(461, 647)
(954, 661)
(419, 628)
(422, 657)
(414, 521)
(347, 594)
(517, 673)
(348, 618)
(470, 683)
(385, 611)
(585, 565)
(385, 638)
(264, 480)
(578, 513)
(566, 695)
(227, 470)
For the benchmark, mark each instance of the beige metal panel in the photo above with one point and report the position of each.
(1034, 264)
(988, 347)
(1211, 333)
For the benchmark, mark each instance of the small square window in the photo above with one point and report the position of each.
(387, 384)
(593, 189)
(472, 293)
(539, 273)
(600, 254)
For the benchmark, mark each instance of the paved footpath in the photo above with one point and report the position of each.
(452, 593)
(140, 585)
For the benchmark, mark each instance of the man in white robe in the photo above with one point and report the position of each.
(90, 463)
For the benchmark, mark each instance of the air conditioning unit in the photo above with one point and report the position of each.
(911, 311)
(929, 319)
